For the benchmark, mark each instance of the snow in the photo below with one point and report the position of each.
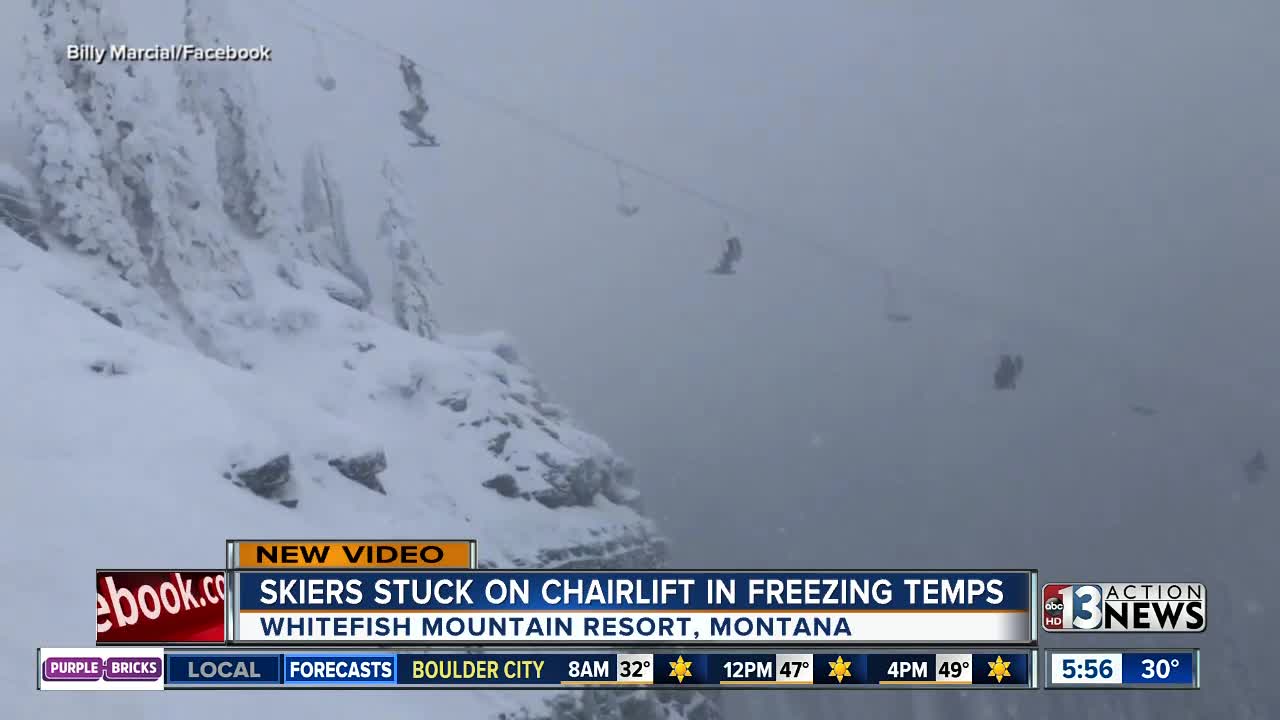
(124, 470)
(12, 177)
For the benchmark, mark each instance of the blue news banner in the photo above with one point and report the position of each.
(577, 608)
(1011, 669)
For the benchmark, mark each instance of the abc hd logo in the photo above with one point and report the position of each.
(1123, 607)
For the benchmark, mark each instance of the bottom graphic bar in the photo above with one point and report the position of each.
(86, 669)
(1145, 669)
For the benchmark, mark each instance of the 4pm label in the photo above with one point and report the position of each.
(1137, 607)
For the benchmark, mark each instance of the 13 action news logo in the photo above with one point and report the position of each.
(1123, 607)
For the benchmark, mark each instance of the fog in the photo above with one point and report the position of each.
(1089, 184)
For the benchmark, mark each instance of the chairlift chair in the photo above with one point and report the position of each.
(1255, 468)
(893, 311)
(320, 66)
(1008, 371)
(624, 207)
(730, 256)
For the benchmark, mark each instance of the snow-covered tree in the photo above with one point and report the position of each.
(82, 23)
(152, 160)
(410, 272)
(174, 209)
(324, 221)
(223, 96)
(81, 206)
(19, 206)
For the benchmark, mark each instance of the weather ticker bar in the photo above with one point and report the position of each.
(185, 668)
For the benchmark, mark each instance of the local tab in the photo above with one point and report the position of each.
(331, 554)
(222, 669)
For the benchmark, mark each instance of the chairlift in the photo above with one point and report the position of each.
(893, 311)
(625, 207)
(411, 118)
(1142, 410)
(730, 256)
(320, 66)
(1007, 372)
(1256, 468)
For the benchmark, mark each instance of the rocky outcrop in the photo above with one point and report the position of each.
(631, 549)
(108, 367)
(272, 480)
(643, 552)
(551, 465)
(363, 469)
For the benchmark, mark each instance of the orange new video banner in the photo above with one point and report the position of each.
(302, 554)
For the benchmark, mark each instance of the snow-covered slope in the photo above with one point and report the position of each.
(123, 450)
(193, 352)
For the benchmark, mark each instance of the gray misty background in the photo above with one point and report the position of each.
(1090, 184)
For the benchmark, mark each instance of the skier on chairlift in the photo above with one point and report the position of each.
(1256, 468)
(625, 207)
(732, 254)
(1006, 377)
(893, 311)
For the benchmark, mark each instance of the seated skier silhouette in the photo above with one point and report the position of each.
(732, 254)
(1006, 377)
(411, 119)
(1255, 468)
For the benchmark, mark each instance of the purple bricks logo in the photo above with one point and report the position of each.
(72, 669)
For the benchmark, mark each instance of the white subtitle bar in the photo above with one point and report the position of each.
(674, 627)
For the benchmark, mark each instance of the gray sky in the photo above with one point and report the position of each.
(1087, 183)
(1094, 167)
(1095, 174)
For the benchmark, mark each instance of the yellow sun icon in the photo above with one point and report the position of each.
(840, 669)
(680, 669)
(999, 669)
